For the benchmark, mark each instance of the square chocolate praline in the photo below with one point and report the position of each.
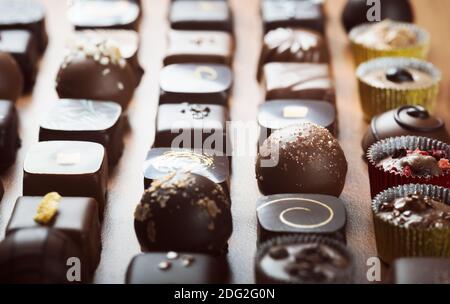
(160, 162)
(77, 217)
(23, 47)
(86, 120)
(196, 83)
(311, 214)
(298, 81)
(199, 47)
(201, 15)
(177, 268)
(292, 13)
(102, 14)
(192, 126)
(71, 168)
(9, 134)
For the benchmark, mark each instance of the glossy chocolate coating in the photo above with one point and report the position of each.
(199, 47)
(301, 159)
(38, 256)
(177, 268)
(77, 218)
(71, 168)
(184, 212)
(22, 46)
(277, 114)
(298, 81)
(408, 120)
(99, 74)
(126, 40)
(9, 134)
(103, 14)
(11, 79)
(201, 15)
(285, 214)
(26, 15)
(86, 120)
(196, 83)
(355, 12)
(421, 271)
(292, 13)
(162, 161)
(192, 126)
(293, 45)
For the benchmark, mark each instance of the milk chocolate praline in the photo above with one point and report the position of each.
(303, 158)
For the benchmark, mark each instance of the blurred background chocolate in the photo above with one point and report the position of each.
(23, 47)
(39, 256)
(184, 212)
(86, 120)
(293, 45)
(201, 15)
(9, 134)
(104, 14)
(196, 83)
(356, 12)
(11, 79)
(96, 72)
(278, 114)
(285, 214)
(199, 47)
(27, 15)
(177, 268)
(407, 120)
(292, 13)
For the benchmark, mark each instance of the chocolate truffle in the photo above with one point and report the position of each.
(302, 158)
(184, 212)
(199, 47)
(76, 217)
(26, 15)
(201, 15)
(304, 260)
(9, 134)
(71, 168)
(86, 120)
(22, 46)
(162, 161)
(126, 40)
(355, 12)
(293, 45)
(292, 13)
(298, 81)
(177, 268)
(39, 256)
(278, 114)
(422, 271)
(284, 214)
(192, 126)
(403, 121)
(196, 83)
(96, 72)
(11, 79)
(104, 14)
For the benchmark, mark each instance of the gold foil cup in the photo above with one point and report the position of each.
(376, 99)
(395, 242)
(363, 53)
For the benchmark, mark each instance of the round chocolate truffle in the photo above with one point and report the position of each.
(98, 72)
(355, 12)
(184, 212)
(303, 158)
(11, 79)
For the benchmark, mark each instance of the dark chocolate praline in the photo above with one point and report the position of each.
(302, 158)
(11, 79)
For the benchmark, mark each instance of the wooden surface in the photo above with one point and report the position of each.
(126, 186)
